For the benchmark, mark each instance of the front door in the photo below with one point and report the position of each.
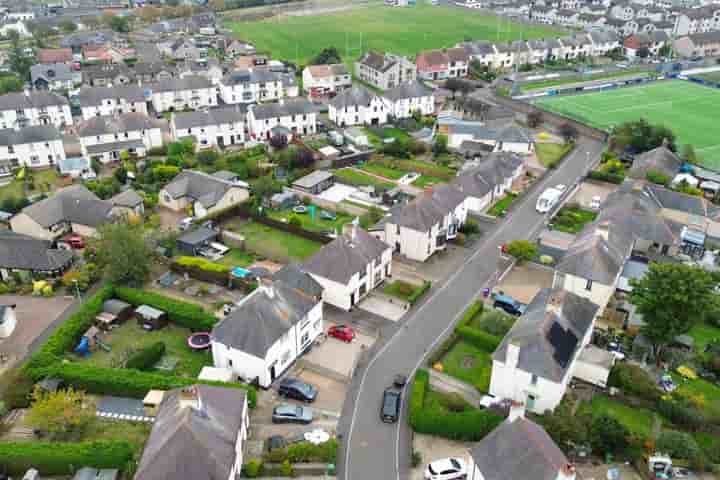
(531, 402)
(273, 373)
(352, 299)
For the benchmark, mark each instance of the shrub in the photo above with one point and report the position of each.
(657, 177)
(469, 426)
(444, 347)
(633, 380)
(607, 435)
(182, 313)
(157, 151)
(16, 387)
(303, 452)
(606, 177)
(417, 394)
(478, 338)
(295, 221)
(496, 323)
(680, 414)
(522, 250)
(546, 260)
(470, 227)
(286, 470)
(56, 458)
(202, 264)
(473, 311)
(146, 358)
(419, 292)
(252, 468)
(678, 445)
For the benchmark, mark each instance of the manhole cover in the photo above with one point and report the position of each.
(468, 361)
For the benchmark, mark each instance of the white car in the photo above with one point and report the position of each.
(561, 187)
(595, 203)
(186, 223)
(547, 200)
(446, 469)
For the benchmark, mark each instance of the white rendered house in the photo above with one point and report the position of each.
(20, 110)
(357, 106)
(191, 92)
(218, 127)
(36, 146)
(105, 138)
(99, 101)
(408, 98)
(291, 117)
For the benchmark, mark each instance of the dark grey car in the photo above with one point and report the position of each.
(286, 413)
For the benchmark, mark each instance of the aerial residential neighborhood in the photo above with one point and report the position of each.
(398, 239)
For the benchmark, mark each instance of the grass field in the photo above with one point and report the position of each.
(689, 109)
(358, 179)
(712, 76)
(314, 225)
(400, 30)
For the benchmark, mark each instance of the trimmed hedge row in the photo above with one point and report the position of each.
(202, 264)
(182, 313)
(478, 338)
(419, 292)
(63, 458)
(146, 358)
(466, 426)
(606, 177)
(126, 382)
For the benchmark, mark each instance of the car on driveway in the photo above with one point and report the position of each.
(287, 413)
(342, 332)
(509, 305)
(74, 241)
(297, 389)
(390, 407)
(446, 469)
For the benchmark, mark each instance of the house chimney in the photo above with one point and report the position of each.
(349, 230)
(603, 229)
(266, 286)
(567, 472)
(554, 303)
(512, 355)
(517, 410)
(190, 398)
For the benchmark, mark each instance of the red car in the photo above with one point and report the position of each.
(342, 332)
(75, 241)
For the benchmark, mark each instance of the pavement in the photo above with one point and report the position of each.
(383, 450)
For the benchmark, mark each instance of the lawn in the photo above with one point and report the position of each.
(427, 181)
(501, 206)
(403, 31)
(376, 139)
(359, 179)
(702, 334)
(637, 420)
(316, 225)
(710, 444)
(708, 392)
(688, 108)
(550, 154)
(571, 219)
(237, 258)
(42, 178)
(400, 289)
(135, 433)
(470, 364)
(556, 82)
(711, 76)
(276, 244)
(131, 337)
(383, 171)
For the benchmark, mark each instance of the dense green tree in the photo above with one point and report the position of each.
(327, 56)
(640, 136)
(10, 83)
(124, 253)
(522, 250)
(20, 62)
(607, 435)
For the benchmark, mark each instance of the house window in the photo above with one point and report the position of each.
(316, 325)
(229, 363)
(11, 149)
(305, 339)
(588, 285)
(534, 380)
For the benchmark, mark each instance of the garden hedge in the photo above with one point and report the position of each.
(634, 380)
(124, 382)
(63, 458)
(185, 314)
(478, 338)
(606, 177)
(202, 264)
(146, 358)
(415, 296)
(474, 310)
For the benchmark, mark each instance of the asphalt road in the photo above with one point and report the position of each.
(379, 451)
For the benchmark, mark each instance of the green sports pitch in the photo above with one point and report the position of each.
(689, 109)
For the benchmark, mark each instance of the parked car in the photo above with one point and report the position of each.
(287, 413)
(616, 350)
(186, 223)
(390, 407)
(446, 469)
(509, 305)
(74, 241)
(595, 203)
(547, 200)
(297, 389)
(342, 332)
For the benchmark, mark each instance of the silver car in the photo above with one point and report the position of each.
(287, 413)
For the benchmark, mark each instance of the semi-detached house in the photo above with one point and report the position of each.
(402, 101)
(18, 110)
(489, 180)
(217, 127)
(36, 146)
(190, 92)
(321, 80)
(99, 101)
(255, 85)
(385, 70)
(291, 118)
(358, 106)
(442, 64)
(268, 330)
(106, 138)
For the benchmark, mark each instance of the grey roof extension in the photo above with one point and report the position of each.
(214, 116)
(356, 95)
(74, 204)
(34, 99)
(32, 134)
(111, 124)
(660, 159)
(427, 209)
(26, 253)
(202, 187)
(285, 109)
(95, 96)
(408, 90)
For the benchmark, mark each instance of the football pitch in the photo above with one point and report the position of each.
(689, 109)
(401, 30)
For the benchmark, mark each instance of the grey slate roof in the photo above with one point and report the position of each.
(186, 442)
(51, 72)
(111, 124)
(32, 134)
(198, 236)
(289, 107)
(660, 159)
(292, 276)
(426, 210)
(313, 178)
(263, 318)
(95, 96)
(239, 77)
(114, 146)
(189, 82)
(355, 95)
(129, 198)
(346, 255)
(204, 188)
(36, 99)
(377, 61)
(74, 204)
(215, 116)
(518, 450)
(408, 90)
(549, 333)
(677, 201)
(493, 170)
(27, 253)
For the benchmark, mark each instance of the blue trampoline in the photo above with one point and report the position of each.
(240, 272)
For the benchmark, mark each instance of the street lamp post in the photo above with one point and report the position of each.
(77, 289)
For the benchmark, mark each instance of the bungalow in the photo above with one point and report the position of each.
(18, 110)
(660, 160)
(315, 182)
(128, 202)
(489, 180)
(422, 227)
(199, 432)
(268, 330)
(508, 138)
(534, 362)
(191, 92)
(357, 106)
(71, 209)
(321, 80)
(54, 76)
(442, 64)
(203, 192)
(100, 101)
(217, 127)
(295, 117)
(404, 100)
(350, 267)
(29, 256)
(106, 138)
(36, 146)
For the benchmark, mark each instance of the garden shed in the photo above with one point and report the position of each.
(192, 242)
(152, 402)
(90, 473)
(114, 312)
(151, 318)
(594, 365)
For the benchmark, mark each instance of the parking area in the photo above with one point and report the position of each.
(34, 315)
(170, 219)
(590, 189)
(524, 281)
(337, 193)
(335, 358)
(433, 448)
(384, 305)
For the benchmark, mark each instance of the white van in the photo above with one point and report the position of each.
(547, 200)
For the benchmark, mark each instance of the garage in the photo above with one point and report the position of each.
(593, 366)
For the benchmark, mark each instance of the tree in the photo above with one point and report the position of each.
(568, 132)
(441, 144)
(207, 157)
(607, 435)
(68, 26)
(671, 298)
(263, 187)
(326, 56)
(534, 119)
(639, 136)
(10, 83)
(665, 51)
(279, 141)
(60, 414)
(20, 63)
(123, 252)
(522, 250)
(117, 23)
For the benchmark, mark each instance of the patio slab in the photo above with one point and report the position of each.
(523, 282)
(384, 306)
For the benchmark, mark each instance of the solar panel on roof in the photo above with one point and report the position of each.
(563, 342)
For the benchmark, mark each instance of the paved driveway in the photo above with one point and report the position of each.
(384, 306)
(376, 450)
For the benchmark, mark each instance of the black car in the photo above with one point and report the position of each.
(509, 305)
(297, 389)
(390, 408)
